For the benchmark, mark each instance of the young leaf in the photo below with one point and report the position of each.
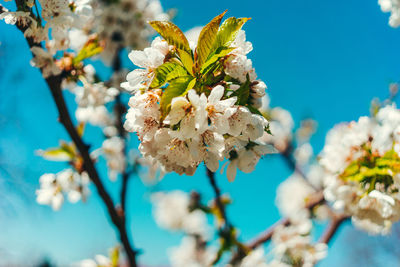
(221, 52)
(90, 49)
(172, 34)
(187, 60)
(206, 40)
(176, 87)
(114, 256)
(81, 128)
(56, 154)
(228, 31)
(243, 92)
(253, 110)
(167, 72)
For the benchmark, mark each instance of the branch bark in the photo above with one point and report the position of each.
(316, 199)
(54, 84)
(217, 192)
(333, 227)
(120, 110)
(287, 155)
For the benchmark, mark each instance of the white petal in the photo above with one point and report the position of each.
(139, 58)
(231, 171)
(136, 77)
(57, 201)
(74, 196)
(193, 97)
(216, 94)
(211, 161)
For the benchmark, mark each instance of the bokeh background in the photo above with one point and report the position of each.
(320, 59)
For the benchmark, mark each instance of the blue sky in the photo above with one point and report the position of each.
(325, 59)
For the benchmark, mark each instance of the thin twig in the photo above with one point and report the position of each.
(54, 84)
(217, 192)
(120, 110)
(3, 9)
(225, 229)
(314, 200)
(287, 156)
(333, 227)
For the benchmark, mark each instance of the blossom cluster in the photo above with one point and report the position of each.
(173, 211)
(124, 24)
(292, 246)
(192, 107)
(281, 124)
(68, 182)
(102, 261)
(65, 34)
(362, 160)
(52, 26)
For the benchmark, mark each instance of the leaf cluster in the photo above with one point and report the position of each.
(200, 69)
(372, 168)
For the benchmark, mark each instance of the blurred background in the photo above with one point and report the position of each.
(321, 59)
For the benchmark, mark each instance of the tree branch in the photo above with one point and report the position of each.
(120, 110)
(54, 84)
(333, 227)
(3, 9)
(287, 155)
(314, 200)
(217, 192)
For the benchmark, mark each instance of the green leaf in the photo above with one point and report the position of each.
(206, 40)
(228, 31)
(56, 154)
(167, 72)
(177, 87)
(90, 49)
(187, 60)
(81, 128)
(253, 110)
(221, 52)
(172, 34)
(114, 257)
(243, 92)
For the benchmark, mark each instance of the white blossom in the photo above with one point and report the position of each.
(53, 187)
(293, 245)
(114, 151)
(207, 124)
(192, 252)
(292, 195)
(171, 211)
(255, 258)
(392, 6)
(373, 204)
(13, 17)
(148, 60)
(45, 61)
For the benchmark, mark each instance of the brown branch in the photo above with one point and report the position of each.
(3, 9)
(333, 227)
(287, 155)
(120, 110)
(314, 200)
(217, 192)
(54, 84)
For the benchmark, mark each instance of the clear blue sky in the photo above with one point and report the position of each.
(325, 59)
